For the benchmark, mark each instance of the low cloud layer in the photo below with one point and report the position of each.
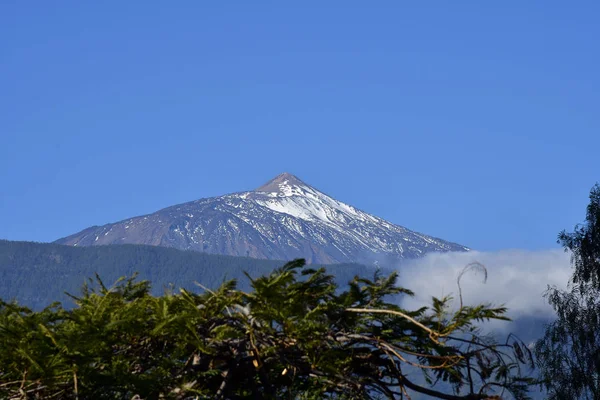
(516, 278)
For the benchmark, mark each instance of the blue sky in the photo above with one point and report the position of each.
(471, 121)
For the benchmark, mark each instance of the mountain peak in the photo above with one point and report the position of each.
(279, 182)
(283, 219)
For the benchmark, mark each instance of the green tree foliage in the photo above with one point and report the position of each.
(295, 335)
(569, 353)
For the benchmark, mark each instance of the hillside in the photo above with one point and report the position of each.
(35, 274)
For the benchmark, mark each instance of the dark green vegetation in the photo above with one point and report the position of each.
(36, 274)
(569, 354)
(294, 335)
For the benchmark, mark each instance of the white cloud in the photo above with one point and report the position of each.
(516, 278)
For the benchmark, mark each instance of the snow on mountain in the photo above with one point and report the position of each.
(283, 219)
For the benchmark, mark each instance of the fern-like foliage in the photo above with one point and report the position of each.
(295, 335)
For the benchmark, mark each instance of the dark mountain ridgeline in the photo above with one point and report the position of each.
(36, 274)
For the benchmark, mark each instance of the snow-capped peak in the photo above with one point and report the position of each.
(283, 219)
(288, 194)
(283, 185)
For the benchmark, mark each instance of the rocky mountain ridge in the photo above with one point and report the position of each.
(283, 219)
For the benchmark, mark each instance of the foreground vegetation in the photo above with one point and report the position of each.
(295, 335)
(569, 353)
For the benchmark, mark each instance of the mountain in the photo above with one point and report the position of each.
(37, 274)
(283, 219)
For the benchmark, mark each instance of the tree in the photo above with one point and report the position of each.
(294, 336)
(569, 353)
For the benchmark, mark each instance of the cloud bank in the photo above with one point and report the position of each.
(516, 278)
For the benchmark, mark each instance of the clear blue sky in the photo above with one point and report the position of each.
(473, 121)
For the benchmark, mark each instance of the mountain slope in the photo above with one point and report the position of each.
(283, 219)
(36, 274)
